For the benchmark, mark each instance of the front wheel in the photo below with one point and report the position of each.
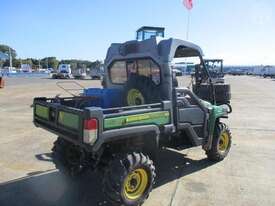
(221, 143)
(129, 179)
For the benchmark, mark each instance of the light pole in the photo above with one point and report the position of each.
(10, 57)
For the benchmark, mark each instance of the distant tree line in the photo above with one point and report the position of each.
(75, 64)
(47, 62)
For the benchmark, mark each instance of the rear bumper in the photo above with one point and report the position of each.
(73, 139)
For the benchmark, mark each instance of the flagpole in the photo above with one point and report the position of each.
(188, 24)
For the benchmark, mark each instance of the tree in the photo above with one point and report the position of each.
(1, 64)
(98, 63)
(5, 49)
(53, 62)
(49, 62)
(27, 61)
(16, 63)
(35, 62)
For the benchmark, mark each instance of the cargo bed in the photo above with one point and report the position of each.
(66, 116)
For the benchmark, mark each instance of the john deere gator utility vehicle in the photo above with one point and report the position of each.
(215, 68)
(207, 84)
(120, 128)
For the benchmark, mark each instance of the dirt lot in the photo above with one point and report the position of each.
(246, 177)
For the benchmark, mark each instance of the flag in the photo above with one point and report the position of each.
(188, 4)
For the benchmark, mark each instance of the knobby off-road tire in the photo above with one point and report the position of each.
(222, 93)
(129, 179)
(59, 158)
(141, 90)
(221, 143)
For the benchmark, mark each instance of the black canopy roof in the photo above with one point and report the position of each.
(157, 48)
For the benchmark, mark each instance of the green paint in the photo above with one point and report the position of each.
(42, 111)
(68, 119)
(215, 113)
(158, 118)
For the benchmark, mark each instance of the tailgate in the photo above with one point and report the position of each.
(59, 119)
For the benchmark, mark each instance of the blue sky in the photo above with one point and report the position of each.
(241, 32)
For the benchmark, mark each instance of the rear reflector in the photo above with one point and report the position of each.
(90, 131)
(90, 124)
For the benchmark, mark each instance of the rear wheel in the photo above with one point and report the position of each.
(221, 143)
(129, 179)
(66, 158)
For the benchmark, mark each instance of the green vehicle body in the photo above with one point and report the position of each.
(157, 118)
(216, 113)
(68, 122)
(98, 137)
(163, 116)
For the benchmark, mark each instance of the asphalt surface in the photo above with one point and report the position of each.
(245, 177)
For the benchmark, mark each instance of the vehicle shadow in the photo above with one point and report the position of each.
(52, 188)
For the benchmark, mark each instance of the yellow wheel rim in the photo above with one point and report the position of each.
(134, 97)
(135, 184)
(224, 141)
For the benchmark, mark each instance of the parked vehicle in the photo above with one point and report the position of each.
(212, 83)
(27, 68)
(268, 71)
(80, 74)
(64, 72)
(46, 70)
(215, 68)
(256, 70)
(177, 72)
(237, 72)
(96, 73)
(119, 129)
(9, 70)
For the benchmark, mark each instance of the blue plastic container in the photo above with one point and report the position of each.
(105, 98)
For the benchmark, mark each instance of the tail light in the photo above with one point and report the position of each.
(90, 131)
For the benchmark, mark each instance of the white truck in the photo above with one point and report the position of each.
(63, 72)
(268, 71)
